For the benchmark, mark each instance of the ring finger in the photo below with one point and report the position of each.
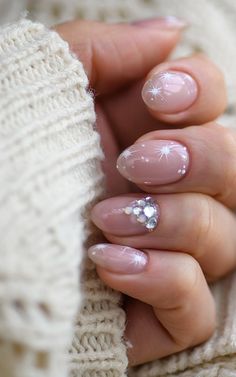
(192, 223)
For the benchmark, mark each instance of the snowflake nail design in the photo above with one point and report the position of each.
(137, 257)
(159, 90)
(146, 211)
(154, 162)
(170, 92)
(166, 150)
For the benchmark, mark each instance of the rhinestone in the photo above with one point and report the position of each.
(137, 210)
(145, 211)
(152, 223)
(149, 211)
(142, 219)
(128, 210)
(141, 203)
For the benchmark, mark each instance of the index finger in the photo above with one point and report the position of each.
(186, 91)
(114, 55)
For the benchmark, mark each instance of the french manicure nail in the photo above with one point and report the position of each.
(119, 259)
(169, 22)
(170, 92)
(154, 162)
(126, 216)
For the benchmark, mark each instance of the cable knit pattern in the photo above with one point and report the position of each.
(50, 176)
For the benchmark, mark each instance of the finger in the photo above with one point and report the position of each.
(116, 54)
(186, 91)
(204, 102)
(173, 284)
(192, 223)
(195, 159)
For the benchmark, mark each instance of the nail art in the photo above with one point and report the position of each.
(120, 259)
(154, 162)
(145, 211)
(170, 92)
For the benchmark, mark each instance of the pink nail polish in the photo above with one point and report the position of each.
(154, 162)
(169, 22)
(119, 259)
(126, 216)
(170, 92)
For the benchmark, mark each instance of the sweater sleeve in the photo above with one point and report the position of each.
(49, 176)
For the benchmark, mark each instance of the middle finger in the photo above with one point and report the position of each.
(195, 159)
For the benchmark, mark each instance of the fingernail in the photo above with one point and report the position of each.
(170, 92)
(121, 259)
(169, 22)
(154, 162)
(126, 216)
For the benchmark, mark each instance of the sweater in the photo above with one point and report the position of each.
(56, 317)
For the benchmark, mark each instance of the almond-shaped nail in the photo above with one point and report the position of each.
(118, 259)
(170, 92)
(168, 22)
(154, 162)
(126, 216)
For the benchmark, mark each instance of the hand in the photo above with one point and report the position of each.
(195, 236)
(117, 58)
(190, 173)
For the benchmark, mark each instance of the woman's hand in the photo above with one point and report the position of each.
(194, 242)
(169, 306)
(117, 58)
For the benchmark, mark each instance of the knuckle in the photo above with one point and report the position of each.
(222, 143)
(205, 330)
(198, 335)
(186, 280)
(228, 142)
(204, 224)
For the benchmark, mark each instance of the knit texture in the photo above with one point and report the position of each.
(51, 176)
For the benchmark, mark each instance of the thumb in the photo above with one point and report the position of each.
(116, 54)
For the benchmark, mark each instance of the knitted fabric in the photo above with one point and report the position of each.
(51, 177)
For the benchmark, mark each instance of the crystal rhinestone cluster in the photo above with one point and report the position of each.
(146, 212)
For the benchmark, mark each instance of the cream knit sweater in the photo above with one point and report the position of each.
(50, 176)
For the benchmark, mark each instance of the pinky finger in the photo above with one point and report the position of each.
(173, 284)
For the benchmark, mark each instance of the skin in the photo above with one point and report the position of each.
(206, 194)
